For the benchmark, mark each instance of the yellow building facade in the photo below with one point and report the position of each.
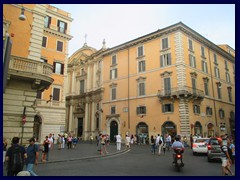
(37, 70)
(171, 81)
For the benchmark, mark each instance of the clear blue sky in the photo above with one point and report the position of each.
(119, 23)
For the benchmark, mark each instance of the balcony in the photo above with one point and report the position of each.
(36, 72)
(181, 92)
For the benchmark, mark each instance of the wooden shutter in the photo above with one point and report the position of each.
(54, 67)
(62, 68)
(161, 61)
(56, 94)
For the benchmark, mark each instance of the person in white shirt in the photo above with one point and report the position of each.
(50, 139)
(118, 141)
(127, 142)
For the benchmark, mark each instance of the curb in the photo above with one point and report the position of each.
(88, 157)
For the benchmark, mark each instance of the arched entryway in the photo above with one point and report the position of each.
(169, 128)
(142, 133)
(37, 127)
(198, 129)
(113, 130)
(210, 128)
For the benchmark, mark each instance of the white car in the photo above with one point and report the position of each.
(200, 146)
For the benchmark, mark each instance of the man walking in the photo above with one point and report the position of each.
(15, 157)
(50, 146)
(32, 156)
(118, 141)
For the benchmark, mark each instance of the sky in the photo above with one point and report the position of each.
(119, 23)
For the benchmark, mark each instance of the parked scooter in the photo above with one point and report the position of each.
(177, 157)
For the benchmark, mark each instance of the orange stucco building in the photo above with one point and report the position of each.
(37, 69)
(171, 81)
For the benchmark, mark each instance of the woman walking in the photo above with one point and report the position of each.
(153, 145)
(45, 149)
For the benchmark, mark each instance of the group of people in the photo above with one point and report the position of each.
(17, 156)
(160, 143)
(70, 140)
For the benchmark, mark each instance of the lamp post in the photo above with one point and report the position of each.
(23, 122)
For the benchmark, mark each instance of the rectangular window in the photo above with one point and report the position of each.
(140, 51)
(206, 88)
(141, 110)
(114, 91)
(165, 43)
(204, 67)
(192, 61)
(39, 95)
(113, 110)
(62, 26)
(208, 111)
(165, 60)
(167, 87)
(216, 70)
(44, 41)
(230, 94)
(113, 73)
(196, 109)
(227, 77)
(82, 87)
(141, 89)
(215, 59)
(202, 51)
(56, 94)
(114, 60)
(190, 44)
(59, 46)
(47, 21)
(141, 66)
(226, 64)
(219, 91)
(58, 68)
(221, 113)
(167, 108)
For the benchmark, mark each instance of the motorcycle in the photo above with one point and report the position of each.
(178, 156)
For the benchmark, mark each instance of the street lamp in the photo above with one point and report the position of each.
(22, 17)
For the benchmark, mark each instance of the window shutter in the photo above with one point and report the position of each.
(172, 108)
(194, 60)
(116, 75)
(190, 62)
(62, 68)
(138, 110)
(145, 109)
(139, 66)
(206, 68)
(161, 61)
(49, 21)
(143, 66)
(170, 59)
(163, 107)
(65, 31)
(110, 74)
(54, 67)
(202, 66)
(56, 94)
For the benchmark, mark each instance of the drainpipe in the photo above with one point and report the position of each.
(214, 101)
(128, 93)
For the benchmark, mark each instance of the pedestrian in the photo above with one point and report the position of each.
(59, 141)
(32, 156)
(45, 149)
(62, 142)
(231, 150)
(164, 147)
(191, 140)
(69, 141)
(4, 148)
(50, 146)
(74, 141)
(103, 144)
(127, 142)
(153, 144)
(132, 139)
(160, 143)
(225, 158)
(15, 156)
(99, 140)
(107, 139)
(91, 139)
(53, 138)
(118, 141)
(65, 137)
(168, 141)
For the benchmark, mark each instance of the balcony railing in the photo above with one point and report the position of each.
(183, 91)
(32, 70)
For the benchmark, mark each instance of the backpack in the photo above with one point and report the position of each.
(17, 161)
(160, 141)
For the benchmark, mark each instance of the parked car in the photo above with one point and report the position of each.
(200, 146)
(214, 150)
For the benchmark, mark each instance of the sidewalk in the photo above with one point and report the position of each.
(84, 150)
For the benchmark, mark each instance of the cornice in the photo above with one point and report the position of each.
(56, 33)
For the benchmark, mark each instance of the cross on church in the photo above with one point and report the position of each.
(85, 38)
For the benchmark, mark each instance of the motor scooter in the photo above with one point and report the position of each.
(177, 158)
